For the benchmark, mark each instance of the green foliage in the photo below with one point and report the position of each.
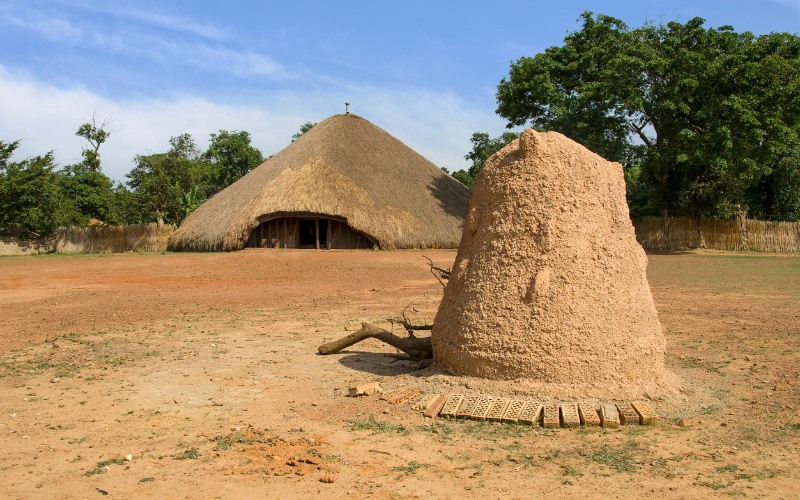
(190, 454)
(303, 129)
(621, 460)
(411, 468)
(482, 148)
(231, 156)
(30, 200)
(90, 192)
(95, 136)
(377, 427)
(708, 116)
(168, 186)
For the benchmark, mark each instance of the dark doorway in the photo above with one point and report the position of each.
(308, 233)
(322, 232)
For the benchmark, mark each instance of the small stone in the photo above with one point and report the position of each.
(778, 387)
(56, 380)
(326, 479)
(128, 457)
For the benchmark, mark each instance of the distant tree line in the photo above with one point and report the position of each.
(705, 121)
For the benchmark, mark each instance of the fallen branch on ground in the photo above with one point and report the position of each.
(416, 348)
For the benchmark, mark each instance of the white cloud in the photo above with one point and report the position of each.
(789, 3)
(436, 124)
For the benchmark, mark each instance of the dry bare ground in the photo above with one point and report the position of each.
(196, 375)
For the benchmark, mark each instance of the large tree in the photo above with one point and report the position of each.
(232, 156)
(702, 116)
(30, 200)
(168, 186)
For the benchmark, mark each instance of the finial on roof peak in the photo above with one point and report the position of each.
(347, 108)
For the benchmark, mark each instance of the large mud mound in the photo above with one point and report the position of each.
(549, 284)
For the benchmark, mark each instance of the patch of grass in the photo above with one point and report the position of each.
(571, 471)
(690, 363)
(716, 485)
(412, 467)
(190, 454)
(621, 460)
(377, 427)
(709, 410)
(442, 430)
(103, 465)
(247, 436)
(792, 427)
(728, 468)
(147, 479)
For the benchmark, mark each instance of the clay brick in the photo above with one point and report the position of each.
(424, 401)
(364, 389)
(498, 408)
(646, 414)
(627, 415)
(531, 413)
(609, 416)
(569, 416)
(588, 415)
(434, 407)
(514, 411)
(400, 397)
(451, 406)
(550, 419)
(467, 407)
(481, 408)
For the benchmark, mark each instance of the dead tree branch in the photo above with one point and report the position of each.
(416, 348)
(439, 273)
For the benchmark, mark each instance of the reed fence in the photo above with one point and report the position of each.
(113, 239)
(685, 233)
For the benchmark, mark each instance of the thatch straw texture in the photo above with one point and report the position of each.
(344, 167)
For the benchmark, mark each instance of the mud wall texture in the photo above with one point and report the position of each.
(549, 283)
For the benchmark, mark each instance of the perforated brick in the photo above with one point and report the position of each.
(531, 413)
(569, 416)
(481, 408)
(514, 411)
(588, 415)
(551, 419)
(450, 407)
(627, 415)
(467, 406)
(497, 409)
(434, 407)
(646, 414)
(609, 416)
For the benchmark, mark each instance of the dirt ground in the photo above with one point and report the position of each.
(196, 376)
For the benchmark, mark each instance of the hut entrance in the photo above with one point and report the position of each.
(311, 232)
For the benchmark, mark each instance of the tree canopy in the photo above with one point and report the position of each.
(482, 148)
(706, 121)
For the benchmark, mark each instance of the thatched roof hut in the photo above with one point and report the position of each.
(346, 183)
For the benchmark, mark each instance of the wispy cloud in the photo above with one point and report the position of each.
(205, 48)
(436, 124)
(152, 17)
(52, 28)
(790, 3)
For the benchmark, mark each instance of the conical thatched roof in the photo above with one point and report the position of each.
(344, 167)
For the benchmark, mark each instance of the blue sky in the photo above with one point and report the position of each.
(424, 71)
